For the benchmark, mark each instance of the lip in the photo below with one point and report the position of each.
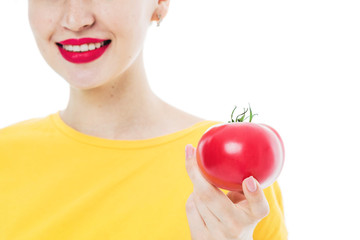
(82, 57)
(80, 41)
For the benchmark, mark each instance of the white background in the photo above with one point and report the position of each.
(295, 62)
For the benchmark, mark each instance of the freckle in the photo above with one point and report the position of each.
(111, 95)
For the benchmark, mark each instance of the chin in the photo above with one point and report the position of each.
(84, 81)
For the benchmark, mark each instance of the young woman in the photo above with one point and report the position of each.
(112, 165)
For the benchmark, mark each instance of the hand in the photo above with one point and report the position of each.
(212, 215)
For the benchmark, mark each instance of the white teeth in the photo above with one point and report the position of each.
(76, 48)
(83, 48)
(91, 46)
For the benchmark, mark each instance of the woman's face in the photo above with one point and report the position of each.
(124, 22)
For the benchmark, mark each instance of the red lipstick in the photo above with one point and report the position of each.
(78, 56)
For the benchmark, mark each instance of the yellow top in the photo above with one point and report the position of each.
(58, 183)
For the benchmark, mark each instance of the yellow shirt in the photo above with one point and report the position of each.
(58, 183)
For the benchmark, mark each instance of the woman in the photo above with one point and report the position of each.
(111, 165)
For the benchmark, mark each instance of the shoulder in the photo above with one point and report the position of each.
(24, 129)
(197, 126)
(182, 120)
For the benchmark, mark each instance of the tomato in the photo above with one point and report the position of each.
(230, 152)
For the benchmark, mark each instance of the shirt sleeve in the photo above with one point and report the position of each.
(272, 227)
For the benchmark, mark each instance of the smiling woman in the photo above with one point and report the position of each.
(96, 170)
(83, 50)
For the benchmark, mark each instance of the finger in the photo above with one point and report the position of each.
(211, 221)
(210, 195)
(257, 202)
(236, 197)
(196, 223)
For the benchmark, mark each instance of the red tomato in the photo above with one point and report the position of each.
(228, 153)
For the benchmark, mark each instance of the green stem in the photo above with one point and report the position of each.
(232, 114)
(243, 118)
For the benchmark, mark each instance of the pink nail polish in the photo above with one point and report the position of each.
(251, 184)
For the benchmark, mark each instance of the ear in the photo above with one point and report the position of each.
(162, 9)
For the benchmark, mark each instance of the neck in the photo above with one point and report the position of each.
(115, 107)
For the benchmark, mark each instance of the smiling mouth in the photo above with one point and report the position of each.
(86, 47)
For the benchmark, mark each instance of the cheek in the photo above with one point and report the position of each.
(41, 20)
(127, 19)
(130, 30)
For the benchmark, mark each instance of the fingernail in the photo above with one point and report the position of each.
(189, 151)
(251, 184)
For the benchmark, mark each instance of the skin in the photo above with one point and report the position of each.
(108, 95)
(212, 215)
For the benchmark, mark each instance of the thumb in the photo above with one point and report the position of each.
(259, 207)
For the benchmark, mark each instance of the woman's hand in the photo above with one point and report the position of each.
(212, 215)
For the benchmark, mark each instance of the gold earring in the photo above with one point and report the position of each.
(158, 23)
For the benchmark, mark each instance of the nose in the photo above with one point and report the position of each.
(77, 15)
